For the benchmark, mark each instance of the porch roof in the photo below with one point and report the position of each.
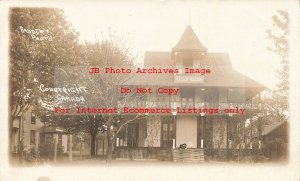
(270, 128)
(52, 129)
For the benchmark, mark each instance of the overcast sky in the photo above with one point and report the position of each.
(232, 27)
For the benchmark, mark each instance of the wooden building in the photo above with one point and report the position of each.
(26, 132)
(275, 141)
(29, 133)
(224, 88)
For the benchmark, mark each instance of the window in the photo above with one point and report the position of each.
(187, 96)
(212, 97)
(33, 117)
(167, 132)
(132, 135)
(32, 137)
(187, 63)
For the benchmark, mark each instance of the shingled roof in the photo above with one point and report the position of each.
(222, 72)
(189, 41)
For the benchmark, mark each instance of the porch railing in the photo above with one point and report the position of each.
(138, 153)
(190, 155)
(251, 155)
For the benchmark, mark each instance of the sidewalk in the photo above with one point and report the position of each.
(101, 162)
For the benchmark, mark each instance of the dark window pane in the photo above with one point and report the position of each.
(33, 117)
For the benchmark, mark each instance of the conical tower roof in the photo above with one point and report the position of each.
(189, 41)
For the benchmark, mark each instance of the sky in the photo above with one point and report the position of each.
(237, 28)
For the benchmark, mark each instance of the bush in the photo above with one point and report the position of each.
(47, 150)
(32, 155)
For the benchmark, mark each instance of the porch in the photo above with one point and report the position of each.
(189, 155)
(219, 138)
(162, 154)
(144, 153)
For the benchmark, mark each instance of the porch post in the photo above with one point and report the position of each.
(202, 132)
(227, 145)
(174, 113)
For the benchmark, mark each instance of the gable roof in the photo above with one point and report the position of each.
(189, 41)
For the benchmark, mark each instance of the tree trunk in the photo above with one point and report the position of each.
(11, 133)
(93, 144)
(21, 141)
(71, 147)
(80, 150)
(109, 143)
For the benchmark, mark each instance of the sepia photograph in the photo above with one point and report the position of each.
(171, 84)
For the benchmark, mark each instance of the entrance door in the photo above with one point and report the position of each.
(132, 135)
(204, 132)
(167, 133)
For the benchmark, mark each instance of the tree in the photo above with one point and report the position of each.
(40, 40)
(279, 37)
(37, 60)
(112, 52)
(103, 91)
(277, 103)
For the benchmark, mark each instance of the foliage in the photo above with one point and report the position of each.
(46, 150)
(33, 61)
(279, 37)
(275, 103)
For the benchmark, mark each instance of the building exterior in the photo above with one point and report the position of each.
(223, 89)
(275, 140)
(29, 133)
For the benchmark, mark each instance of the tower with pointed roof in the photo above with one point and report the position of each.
(189, 42)
(189, 51)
